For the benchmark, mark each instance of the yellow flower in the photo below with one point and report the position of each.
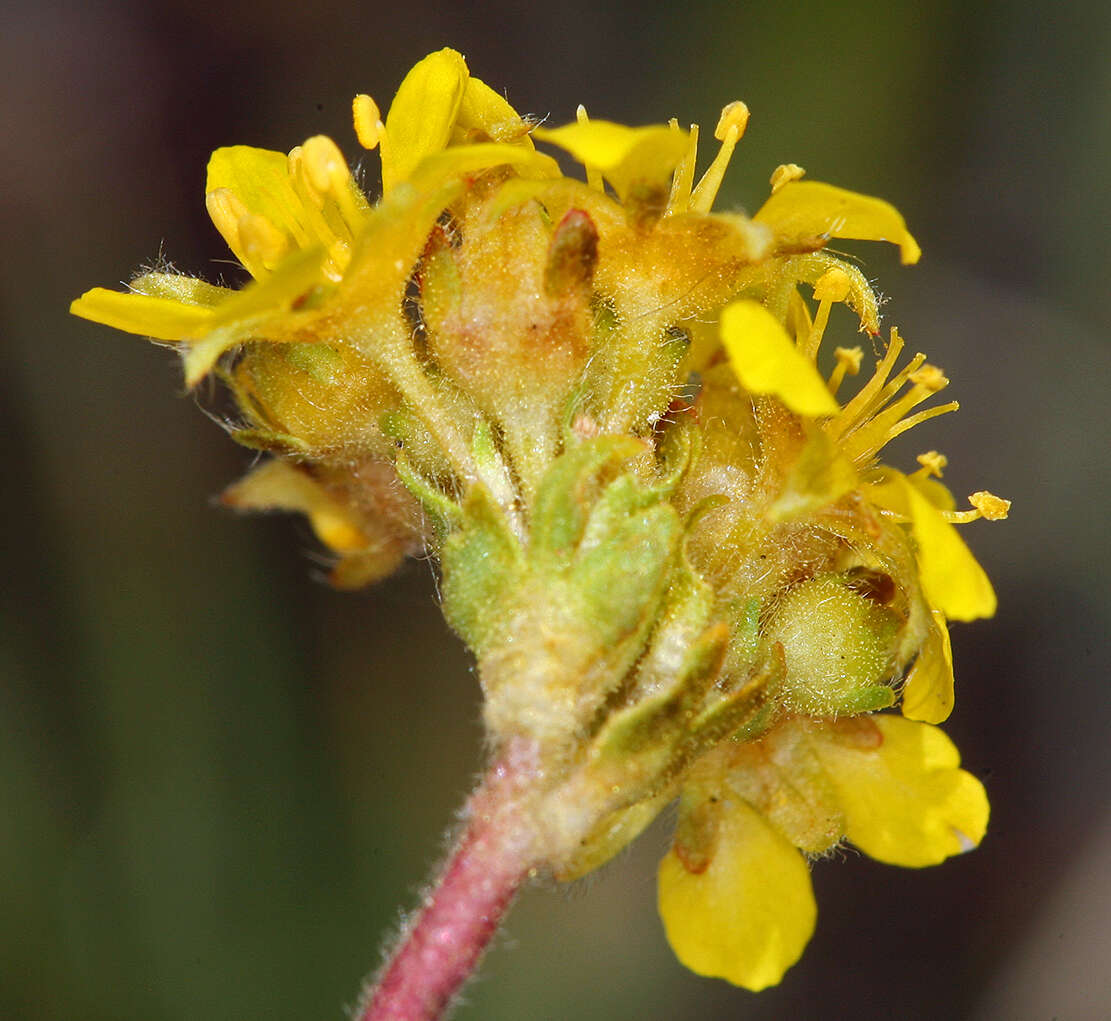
(666, 535)
(734, 892)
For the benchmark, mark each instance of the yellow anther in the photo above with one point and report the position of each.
(832, 285)
(933, 463)
(733, 115)
(849, 360)
(851, 357)
(990, 506)
(226, 209)
(368, 121)
(324, 165)
(785, 173)
(930, 377)
(593, 175)
(261, 240)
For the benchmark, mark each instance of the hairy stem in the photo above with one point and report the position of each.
(441, 947)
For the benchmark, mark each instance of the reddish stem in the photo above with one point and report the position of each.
(442, 947)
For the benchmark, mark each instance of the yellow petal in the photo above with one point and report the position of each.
(485, 110)
(749, 914)
(625, 156)
(801, 210)
(259, 180)
(906, 802)
(952, 580)
(160, 318)
(766, 360)
(278, 485)
(422, 114)
(928, 692)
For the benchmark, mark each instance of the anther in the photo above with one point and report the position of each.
(930, 377)
(733, 115)
(990, 506)
(849, 360)
(324, 165)
(832, 285)
(785, 173)
(933, 463)
(368, 121)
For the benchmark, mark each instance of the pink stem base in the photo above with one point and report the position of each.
(440, 950)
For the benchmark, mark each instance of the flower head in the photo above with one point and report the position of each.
(667, 537)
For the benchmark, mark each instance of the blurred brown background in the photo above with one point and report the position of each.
(220, 781)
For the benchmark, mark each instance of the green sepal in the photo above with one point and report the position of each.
(865, 700)
(640, 748)
(569, 489)
(620, 569)
(444, 511)
(483, 571)
(615, 832)
(731, 711)
(491, 465)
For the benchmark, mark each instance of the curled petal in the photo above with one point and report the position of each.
(485, 110)
(278, 485)
(802, 210)
(748, 915)
(928, 692)
(766, 360)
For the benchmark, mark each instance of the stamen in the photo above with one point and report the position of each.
(593, 174)
(890, 422)
(888, 392)
(731, 126)
(918, 418)
(849, 360)
(261, 240)
(855, 408)
(832, 286)
(300, 179)
(785, 173)
(368, 121)
(326, 170)
(679, 199)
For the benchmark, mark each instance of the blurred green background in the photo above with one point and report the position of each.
(220, 782)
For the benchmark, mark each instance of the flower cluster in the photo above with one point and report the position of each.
(667, 538)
